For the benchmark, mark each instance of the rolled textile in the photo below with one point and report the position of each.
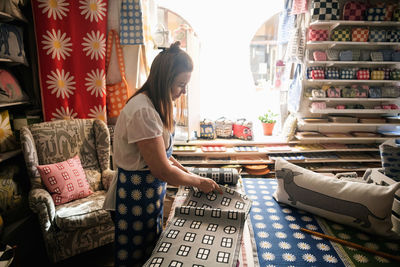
(220, 175)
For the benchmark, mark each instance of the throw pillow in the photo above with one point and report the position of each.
(7, 137)
(65, 181)
(13, 41)
(289, 127)
(367, 207)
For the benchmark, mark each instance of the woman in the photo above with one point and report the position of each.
(142, 153)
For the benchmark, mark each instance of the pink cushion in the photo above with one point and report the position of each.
(65, 180)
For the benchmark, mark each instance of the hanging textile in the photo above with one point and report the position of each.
(286, 23)
(71, 46)
(131, 29)
(295, 90)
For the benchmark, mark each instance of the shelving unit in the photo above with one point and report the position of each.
(344, 128)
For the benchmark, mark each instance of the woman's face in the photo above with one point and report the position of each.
(179, 85)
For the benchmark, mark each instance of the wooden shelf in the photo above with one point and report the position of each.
(352, 111)
(351, 138)
(342, 81)
(9, 154)
(353, 99)
(354, 23)
(357, 63)
(331, 44)
(2, 105)
(336, 124)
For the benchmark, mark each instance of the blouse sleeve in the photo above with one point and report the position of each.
(144, 124)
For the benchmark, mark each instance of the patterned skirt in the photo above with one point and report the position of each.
(138, 216)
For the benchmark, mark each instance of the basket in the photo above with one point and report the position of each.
(243, 129)
(207, 129)
(223, 127)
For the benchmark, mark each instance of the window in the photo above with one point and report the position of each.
(229, 40)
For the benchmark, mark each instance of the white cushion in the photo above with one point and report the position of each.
(365, 206)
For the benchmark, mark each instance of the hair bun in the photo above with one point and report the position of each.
(175, 47)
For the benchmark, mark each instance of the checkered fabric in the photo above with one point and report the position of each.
(375, 92)
(377, 35)
(310, 69)
(376, 56)
(393, 36)
(395, 75)
(317, 34)
(332, 73)
(377, 75)
(389, 8)
(359, 35)
(332, 54)
(353, 10)
(325, 10)
(317, 74)
(346, 55)
(363, 74)
(387, 73)
(347, 74)
(341, 35)
(376, 14)
(396, 15)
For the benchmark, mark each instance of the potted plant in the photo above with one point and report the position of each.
(268, 121)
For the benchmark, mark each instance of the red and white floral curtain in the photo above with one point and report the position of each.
(71, 45)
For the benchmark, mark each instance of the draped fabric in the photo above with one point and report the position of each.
(71, 46)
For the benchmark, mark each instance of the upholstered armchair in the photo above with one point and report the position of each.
(80, 225)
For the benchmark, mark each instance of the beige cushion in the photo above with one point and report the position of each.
(81, 213)
(365, 206)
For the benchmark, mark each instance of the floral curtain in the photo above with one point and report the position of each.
(71, 46)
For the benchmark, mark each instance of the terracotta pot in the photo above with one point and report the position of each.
(268, 128)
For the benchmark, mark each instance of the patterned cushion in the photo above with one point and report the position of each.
(310, 69)
(7, 138)
(376, 14)
(346, 55)
(65, 181)
(377, 75)
(325, 10)
(390, 156)
(354, 10)
(341, 35)
(332, 73)
(347, 74)
(365, 206)
(377, 35)
(393, 36)
(82, 213)
(375, 92)
(359, 35)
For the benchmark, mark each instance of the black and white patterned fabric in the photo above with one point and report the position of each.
(325, 10)
(220, 175)
(205, 231)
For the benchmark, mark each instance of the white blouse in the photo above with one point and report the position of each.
(138, 120)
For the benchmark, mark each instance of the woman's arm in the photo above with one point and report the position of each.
(153, 152)
(177, 164)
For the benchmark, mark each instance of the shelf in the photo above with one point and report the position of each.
(336, 124)
(328, 160)
(335, 23)
(350, 138)
(353, 99)
(9, 154)
(331, 44)
(340, 81)
(352, 111)
(358, 63)
(2, 105)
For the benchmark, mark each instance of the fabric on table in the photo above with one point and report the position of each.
(220, 175)
(279, 242)
(205, 231)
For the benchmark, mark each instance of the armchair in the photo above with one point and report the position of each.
(80, 225)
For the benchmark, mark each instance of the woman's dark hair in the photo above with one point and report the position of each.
(166, 66)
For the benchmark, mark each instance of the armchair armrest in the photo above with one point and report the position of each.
(106, 177)
(41, 202)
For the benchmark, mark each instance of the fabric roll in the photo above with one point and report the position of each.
(220, 175)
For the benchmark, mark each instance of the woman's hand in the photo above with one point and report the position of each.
(207, 185)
